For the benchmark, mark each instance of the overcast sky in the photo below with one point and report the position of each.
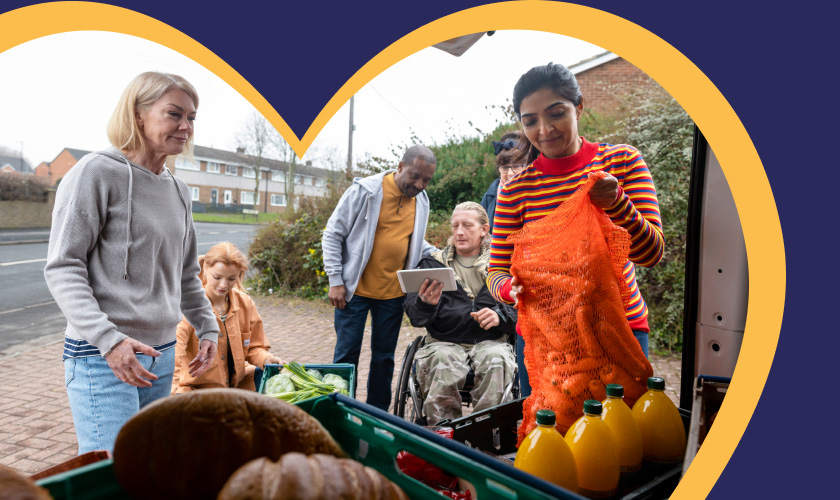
(59, 91)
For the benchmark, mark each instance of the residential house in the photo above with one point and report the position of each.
(14, 165)
(220, 179)
(53, 171)
(603, 78)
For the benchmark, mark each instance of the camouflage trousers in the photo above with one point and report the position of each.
(442, 369)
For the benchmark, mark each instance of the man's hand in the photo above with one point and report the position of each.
(338, 296)
(486, 318)
(123, 362)
(206, 356)
(604, 192)
(430, 291)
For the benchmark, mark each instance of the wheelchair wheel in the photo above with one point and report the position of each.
(407, 397)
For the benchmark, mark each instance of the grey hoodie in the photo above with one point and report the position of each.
(122, 259)
(348, 237)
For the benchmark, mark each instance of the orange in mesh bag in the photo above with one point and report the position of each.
(572, 310)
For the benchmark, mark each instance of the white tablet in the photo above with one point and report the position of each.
(411, 280)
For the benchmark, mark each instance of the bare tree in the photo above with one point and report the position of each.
(286, 154)
(257, 138)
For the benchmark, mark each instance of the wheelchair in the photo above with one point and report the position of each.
(408, 400)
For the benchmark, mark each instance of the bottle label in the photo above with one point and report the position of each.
(598, 494)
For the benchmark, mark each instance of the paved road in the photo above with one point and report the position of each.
(27, 310)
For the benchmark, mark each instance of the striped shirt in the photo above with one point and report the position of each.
(547, 183)
(74, 348)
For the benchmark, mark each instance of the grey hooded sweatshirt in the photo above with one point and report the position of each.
(348, 237)
(122, 259)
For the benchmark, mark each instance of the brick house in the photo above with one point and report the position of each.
(14, 165)
(56, 169)
(602, 76)
(219, 178)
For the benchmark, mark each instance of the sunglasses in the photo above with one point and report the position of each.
(512, 167)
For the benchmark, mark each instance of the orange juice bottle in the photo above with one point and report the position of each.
(596, 453)
(663, 432)
(619, 418)
(546, 455)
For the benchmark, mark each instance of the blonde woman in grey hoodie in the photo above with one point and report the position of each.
(122, 262)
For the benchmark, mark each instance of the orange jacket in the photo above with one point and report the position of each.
(243, 330)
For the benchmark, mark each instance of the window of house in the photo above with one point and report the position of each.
(249, 172)
(182, 163)
(278, 200)
(320, 182)
(278, 176)
(231, 170)
(213, 167)
(299, 179)
(247, 198)
(194, 193)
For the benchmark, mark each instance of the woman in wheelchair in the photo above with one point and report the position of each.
(467, 328)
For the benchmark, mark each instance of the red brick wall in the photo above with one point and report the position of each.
(60, 166)
(600, 84)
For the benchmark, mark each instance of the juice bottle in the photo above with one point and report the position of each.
(663, 432)
(596, 453)
(619, 418)
(546, 455)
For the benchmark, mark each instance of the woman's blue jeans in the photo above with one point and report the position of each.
(525, 385)
(101, 403)
(386, 319)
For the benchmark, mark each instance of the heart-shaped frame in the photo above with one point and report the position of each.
(662, 62)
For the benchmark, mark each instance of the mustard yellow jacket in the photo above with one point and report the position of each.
(243, 330)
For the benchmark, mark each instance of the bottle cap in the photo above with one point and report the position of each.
(616, 390)
(656, 383)
(546, 417)
(592, 407)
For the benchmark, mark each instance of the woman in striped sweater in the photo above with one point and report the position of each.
(548, 103)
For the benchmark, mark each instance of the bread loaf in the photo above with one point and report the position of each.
(15, 486)
(186, 446)
(314, 477)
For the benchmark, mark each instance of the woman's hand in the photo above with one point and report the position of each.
(205, 358)
(604, 192)
(430, 292)
(515, 290)
(486, 318)
(123, 362)
(273, 360)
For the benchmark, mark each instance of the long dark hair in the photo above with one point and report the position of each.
(554, 77)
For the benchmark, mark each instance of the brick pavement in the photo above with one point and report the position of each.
(36, 427)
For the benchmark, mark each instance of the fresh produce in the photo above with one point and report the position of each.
(188, 445)
(305, 384)
(314, 477)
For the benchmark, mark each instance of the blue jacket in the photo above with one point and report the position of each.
(348, 237)
(489, 201)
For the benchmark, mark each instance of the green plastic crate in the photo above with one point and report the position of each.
(372, 437)
(343, 370)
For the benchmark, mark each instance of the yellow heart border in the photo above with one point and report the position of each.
(679, 76)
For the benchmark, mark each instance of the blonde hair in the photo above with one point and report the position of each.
(227, 254)
(481, 216)
(143, 91)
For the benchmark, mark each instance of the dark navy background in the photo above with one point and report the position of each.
(771, 60)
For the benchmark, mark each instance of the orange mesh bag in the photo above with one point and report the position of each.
(572, 310)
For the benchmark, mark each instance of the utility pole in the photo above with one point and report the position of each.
(350, 142)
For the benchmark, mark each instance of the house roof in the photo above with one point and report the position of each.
(240, 159)
(17, 163)
(75, 153)
(592, 62)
